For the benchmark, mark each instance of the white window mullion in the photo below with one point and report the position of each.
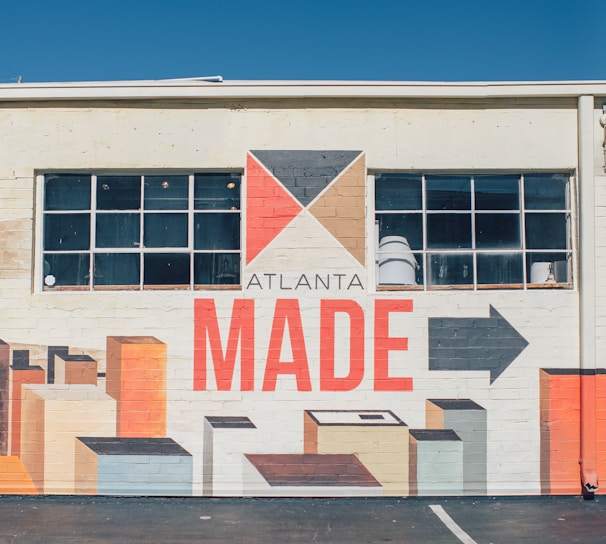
(523, 233)
(93, 230)
(141, 226)
(190, 229)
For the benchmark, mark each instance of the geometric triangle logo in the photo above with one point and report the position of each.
(269, 208)
(341, 209)
(305, 173)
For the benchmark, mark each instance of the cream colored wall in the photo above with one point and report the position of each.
(485, 136)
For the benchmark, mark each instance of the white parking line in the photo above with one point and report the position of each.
(450, 523)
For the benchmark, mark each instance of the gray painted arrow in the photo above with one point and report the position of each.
(473, 343)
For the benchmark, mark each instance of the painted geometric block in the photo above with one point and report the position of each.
(52, 417)
(600, 415)
(378, 438)
(136, 378)
(4, 396)
(132, 466)
(226, 439)
(50, 360)
(436, 462)
(560, 423)
(14, 478)
(314, 475)
(469, 421)
(75, 369)
(22, 374)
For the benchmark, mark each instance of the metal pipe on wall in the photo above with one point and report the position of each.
(587, 272)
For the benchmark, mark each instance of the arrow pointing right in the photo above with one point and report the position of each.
(471, 343)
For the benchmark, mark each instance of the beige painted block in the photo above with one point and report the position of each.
(53, 416)
(378, 438)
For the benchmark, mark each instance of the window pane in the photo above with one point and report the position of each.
(546, 231)
(500, 269)
(497, 192)
(217, 231)
(66, 269)
(166, 269)
(217, 191)
(398, 192)
(166, 192)
(217, 269)
(409, 225)
(451, 269)
(117, 269)
(546, 191)
(449, 230)
(552, 267)
(118, 192)
(165, 230)
(118, 230)
(66, 192)
(448, 192)
(498, 230)
(66, 231)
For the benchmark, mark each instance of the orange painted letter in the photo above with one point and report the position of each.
(384, 344)
(328, 380)
(287, 310)
(242, 328)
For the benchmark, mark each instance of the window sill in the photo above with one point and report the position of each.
(218, 287)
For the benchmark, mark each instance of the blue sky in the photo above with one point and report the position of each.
(422, 40)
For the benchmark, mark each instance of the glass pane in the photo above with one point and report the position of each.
(409, 225)
(217, 231)
(546, 191)
(498, 230)
(117, 269)
(165, 230)
(118, 230)
(66, 192)
(67, 231)
(451, 269)
(217, 268)
(166, 269)
(217, 191)
(449, 230)
(546, 231)
(398, 192)
(118, 192)
(448, 192)
(69, 269)
(500, 269)
(554, 267)
(497, 192)
(166, 192)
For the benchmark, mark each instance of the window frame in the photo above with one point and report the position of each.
(571, 224)
(94, 248)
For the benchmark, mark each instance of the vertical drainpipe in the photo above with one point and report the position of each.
(587, 259)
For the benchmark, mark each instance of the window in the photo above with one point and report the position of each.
(444, 231)
(112, 231)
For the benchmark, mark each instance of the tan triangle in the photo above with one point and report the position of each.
(341, 209)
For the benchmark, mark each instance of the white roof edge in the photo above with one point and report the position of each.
(214, 87)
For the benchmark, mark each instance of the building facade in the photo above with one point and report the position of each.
(302, 288)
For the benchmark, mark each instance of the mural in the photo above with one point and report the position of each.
(300, 384)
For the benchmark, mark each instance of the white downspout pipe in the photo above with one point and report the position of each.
(587, 254)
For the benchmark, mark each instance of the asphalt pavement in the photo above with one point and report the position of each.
(126, 520)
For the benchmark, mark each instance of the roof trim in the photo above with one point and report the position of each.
(209, 88)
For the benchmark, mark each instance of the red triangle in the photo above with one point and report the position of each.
(269, 208)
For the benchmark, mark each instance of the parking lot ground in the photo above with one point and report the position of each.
(125, 520)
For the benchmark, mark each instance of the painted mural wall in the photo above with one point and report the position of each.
(306, 379)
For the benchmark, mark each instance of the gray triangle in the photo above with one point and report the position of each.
(305, 174)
